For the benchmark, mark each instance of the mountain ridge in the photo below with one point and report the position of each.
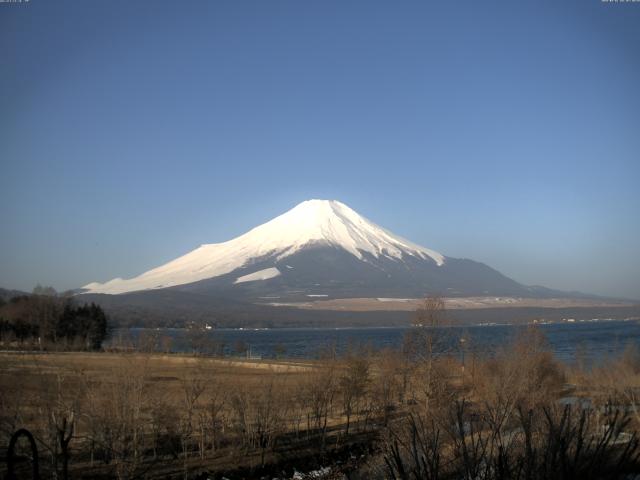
(321, 249)
(310, 223)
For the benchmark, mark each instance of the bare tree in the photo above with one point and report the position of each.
(427, 340)
(118, 421)
(388, 382)
(320, 387)
(353, 381)
(193, 387)
(269, 413)
(58, 401)
(215, 420)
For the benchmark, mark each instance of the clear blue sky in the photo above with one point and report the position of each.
(506, 132)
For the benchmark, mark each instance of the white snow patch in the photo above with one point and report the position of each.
(313, 222)
(265, 274)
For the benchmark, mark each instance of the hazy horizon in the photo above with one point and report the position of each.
(505, 133)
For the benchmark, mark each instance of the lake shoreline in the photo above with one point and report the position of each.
(595, 339)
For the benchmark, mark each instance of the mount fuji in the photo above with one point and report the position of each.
(320, 249)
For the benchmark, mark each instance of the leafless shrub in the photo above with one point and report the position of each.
(524, 374)
(545, 443)
(616, 382)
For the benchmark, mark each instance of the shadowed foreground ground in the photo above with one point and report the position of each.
(367, 414)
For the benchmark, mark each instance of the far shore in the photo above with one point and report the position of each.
(452, 303)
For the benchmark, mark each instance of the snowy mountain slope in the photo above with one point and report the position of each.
(309, 225)
(335, 273)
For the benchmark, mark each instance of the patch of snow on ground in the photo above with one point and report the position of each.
(265, 274)
(314, 474)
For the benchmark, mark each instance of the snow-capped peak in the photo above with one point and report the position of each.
(311, 222)
(335, 223)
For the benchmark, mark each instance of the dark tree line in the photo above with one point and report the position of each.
(49, 320)
(87, 322)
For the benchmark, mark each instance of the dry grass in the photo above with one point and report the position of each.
(24, 374)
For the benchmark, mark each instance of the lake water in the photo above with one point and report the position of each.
(593, 339)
